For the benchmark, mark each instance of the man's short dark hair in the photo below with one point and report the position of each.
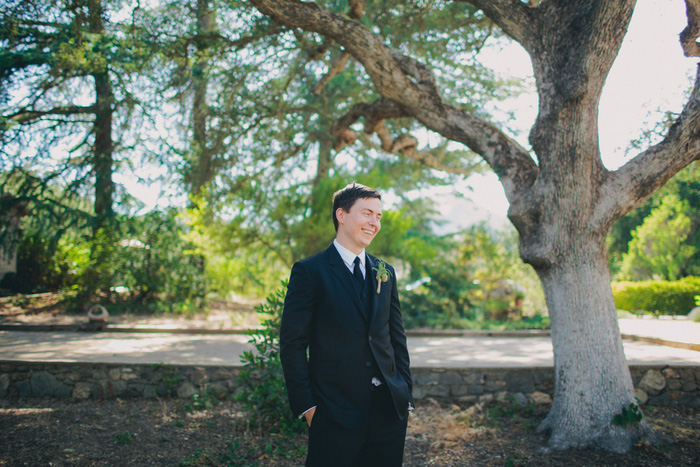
(345, 198)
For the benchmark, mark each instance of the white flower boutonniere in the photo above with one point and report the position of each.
(382, 274)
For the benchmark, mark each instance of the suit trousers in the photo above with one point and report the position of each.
(378, 441)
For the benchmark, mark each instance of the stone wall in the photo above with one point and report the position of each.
(654, 385)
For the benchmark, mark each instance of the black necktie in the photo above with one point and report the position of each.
(358, 274)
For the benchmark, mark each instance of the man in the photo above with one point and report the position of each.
(354, 386)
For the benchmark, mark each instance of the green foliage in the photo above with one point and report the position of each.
(442, 303)
(202, 401)
(39, 266)
(125, 438)
(629, 415)
(476, 282)
(658, 249)
(684, 186)
(661, 297)
(262, 381)
(142, 264)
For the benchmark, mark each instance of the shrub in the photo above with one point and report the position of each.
(39, 266)
(139, 264)
(659, 297)
(264, 392)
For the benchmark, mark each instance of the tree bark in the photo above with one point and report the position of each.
(103, 148)
(202, 165)
(562, 205)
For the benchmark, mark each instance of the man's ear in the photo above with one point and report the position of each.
(340, 215)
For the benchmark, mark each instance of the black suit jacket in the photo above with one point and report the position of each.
(323, 313)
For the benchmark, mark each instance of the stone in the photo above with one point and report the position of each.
(520, 399)
(501, 396)
(82, 391)
(4, 382)
(468, 399)
(690, 386)
(540, 398)
(219, 390)
(43, 384)
(449, 378)
(114, 374)
(149, 391)
(519, 381)
(423, 379)
(652, 383)
(674, 384)
(486, 398)
(438, 390)
(475, 379)
(476, 390)
(669, 373)
(199, 376)
(641, 396)
(24, 388)
(458, 390)
(186, 390)
(495, 386)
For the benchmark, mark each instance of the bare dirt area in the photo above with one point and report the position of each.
(181, 433)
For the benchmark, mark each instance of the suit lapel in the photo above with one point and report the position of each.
(373, 289)
(343, 275)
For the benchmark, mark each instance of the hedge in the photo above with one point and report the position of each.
(659, 297)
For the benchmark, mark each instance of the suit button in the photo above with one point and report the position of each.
(368, 364)
(370, 338)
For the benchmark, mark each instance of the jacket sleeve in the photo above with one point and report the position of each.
(295, 333)
(398, 335)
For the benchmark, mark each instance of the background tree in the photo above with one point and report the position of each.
(684, 186)
(282, 166)
(658, 248)
(562, 198)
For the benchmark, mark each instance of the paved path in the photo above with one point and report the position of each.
(438, 351)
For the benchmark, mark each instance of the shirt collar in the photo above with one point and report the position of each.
(349, 257)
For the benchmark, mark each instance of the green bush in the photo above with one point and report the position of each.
(138, 264)
(264, 392)
(40, 267)
(658, 297)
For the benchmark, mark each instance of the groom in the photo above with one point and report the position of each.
(354, 386)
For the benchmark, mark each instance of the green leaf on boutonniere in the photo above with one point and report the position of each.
(381, 273)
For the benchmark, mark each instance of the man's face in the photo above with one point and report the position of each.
(358, 227)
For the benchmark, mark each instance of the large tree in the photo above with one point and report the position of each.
(562, 198)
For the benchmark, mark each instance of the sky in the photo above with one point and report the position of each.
(650, 75)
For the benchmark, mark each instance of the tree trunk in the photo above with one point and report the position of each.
(103, 148)
(103, 162)
(202, 169)
(593, 382)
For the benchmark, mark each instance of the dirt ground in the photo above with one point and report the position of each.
(178, 433)
(168, 432)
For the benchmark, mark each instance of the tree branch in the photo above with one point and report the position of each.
(633, 183)
(690, 34)
(337, 67)
(28, 116)
(513, 16)
(406, 83)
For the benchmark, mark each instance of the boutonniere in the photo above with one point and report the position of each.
(382, 274)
